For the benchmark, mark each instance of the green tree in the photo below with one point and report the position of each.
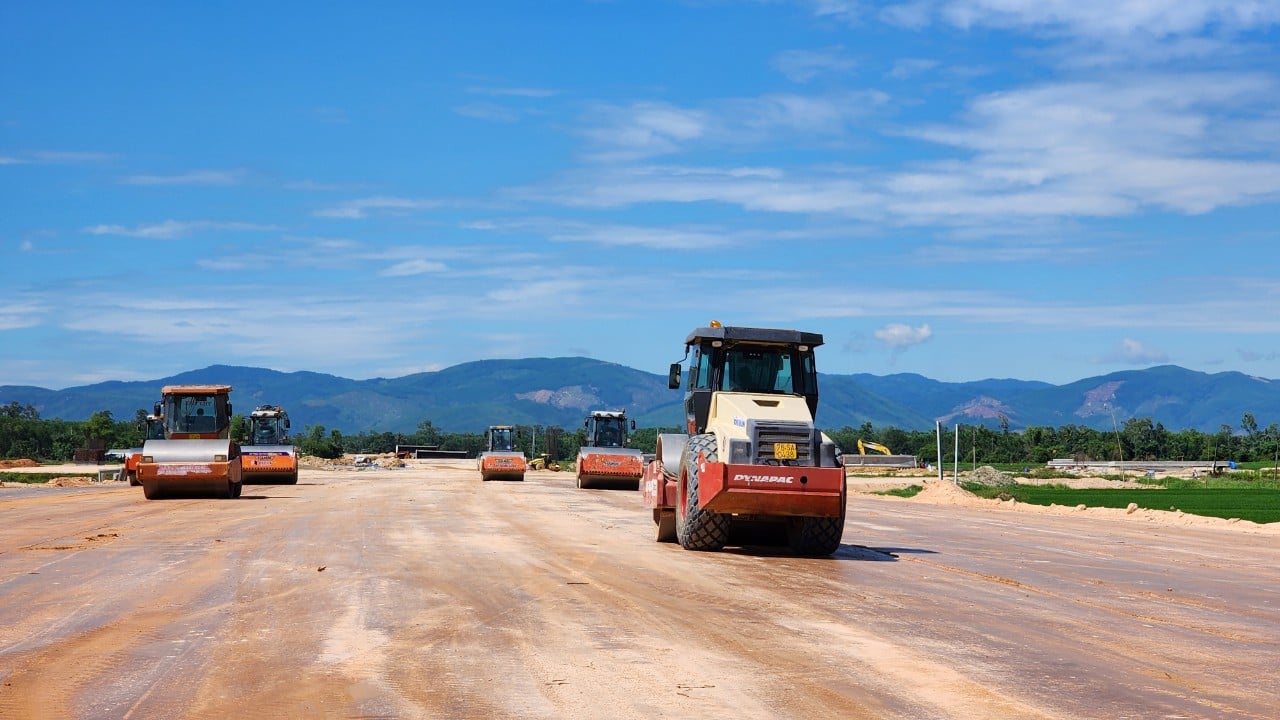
(239, 428)
(100, 426)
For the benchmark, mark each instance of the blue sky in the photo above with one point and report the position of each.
(965, 189)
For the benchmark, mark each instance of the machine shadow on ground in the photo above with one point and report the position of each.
(846, 552)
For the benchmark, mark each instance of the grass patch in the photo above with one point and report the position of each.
(905, 492)
(1251, 502)
(38, 478)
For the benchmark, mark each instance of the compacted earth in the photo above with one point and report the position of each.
(422, 592)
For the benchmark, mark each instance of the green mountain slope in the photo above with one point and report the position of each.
(561, 391)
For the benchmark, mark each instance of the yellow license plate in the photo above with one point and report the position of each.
(784, 451)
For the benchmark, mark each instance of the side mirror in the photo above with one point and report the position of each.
(157, 410)
(633, 423)
(585, 423)
(286, 423)
(673, 376)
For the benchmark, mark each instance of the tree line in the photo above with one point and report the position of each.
(24, 434)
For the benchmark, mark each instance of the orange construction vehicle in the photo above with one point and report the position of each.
(501, 461)
(155, 431)
(195, 455)
(268, 456)
(752, 454)
(605, 460)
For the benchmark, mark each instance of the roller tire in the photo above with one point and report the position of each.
(224, 491)
(698, 529)
(816, 536)
(132, 476)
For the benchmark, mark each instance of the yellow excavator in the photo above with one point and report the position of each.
(865, 445)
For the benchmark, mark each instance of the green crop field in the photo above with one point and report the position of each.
(1259, 504)
(36, 478)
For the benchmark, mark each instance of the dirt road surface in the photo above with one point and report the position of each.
(426, 593)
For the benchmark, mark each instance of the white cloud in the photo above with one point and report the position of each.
(899, 336)
(911, 67)
(413, 267)
(843, 10)
(23, 314)
(614, 234)
(69, 157)
(1255, 356)
(804, 65)
(194, 177)
(1114, 17)
(319, 186)
(6, 160)
(224, 264)
(1187, 143)
(174, 229)
(360, 208)
(646, 129)
(1134, 352)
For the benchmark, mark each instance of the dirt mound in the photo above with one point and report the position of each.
(362, 460)
(6, 464)
(987, 475)
(69, 482)
(946, 493)
(311, 461)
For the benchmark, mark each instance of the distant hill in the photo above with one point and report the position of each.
(561, 391)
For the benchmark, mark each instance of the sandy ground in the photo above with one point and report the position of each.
(423, 592)
(938, 492)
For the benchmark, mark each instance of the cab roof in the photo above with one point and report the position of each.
(195, 390)
(749, 334)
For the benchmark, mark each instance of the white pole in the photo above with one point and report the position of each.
(937, 426)
(955, 478)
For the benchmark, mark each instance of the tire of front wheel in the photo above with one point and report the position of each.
(817, 536)
(698, 529)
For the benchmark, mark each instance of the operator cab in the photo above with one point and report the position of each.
(198, 413)
(759, 361)
(155, 427)
(607, 429)
(269, 426)
(502, 439)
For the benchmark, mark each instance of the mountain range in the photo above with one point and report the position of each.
(561, 391)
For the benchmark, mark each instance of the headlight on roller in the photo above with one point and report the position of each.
(147, 459)
(219, 458)
(740, 452)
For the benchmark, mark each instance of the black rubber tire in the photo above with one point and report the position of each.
(697, 529)
(816, 536)
(666, 522)
(291, 480)
(236, 489)
(133, 478)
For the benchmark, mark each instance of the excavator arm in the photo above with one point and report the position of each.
(864, 446)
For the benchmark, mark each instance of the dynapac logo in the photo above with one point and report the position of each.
(776, 479)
